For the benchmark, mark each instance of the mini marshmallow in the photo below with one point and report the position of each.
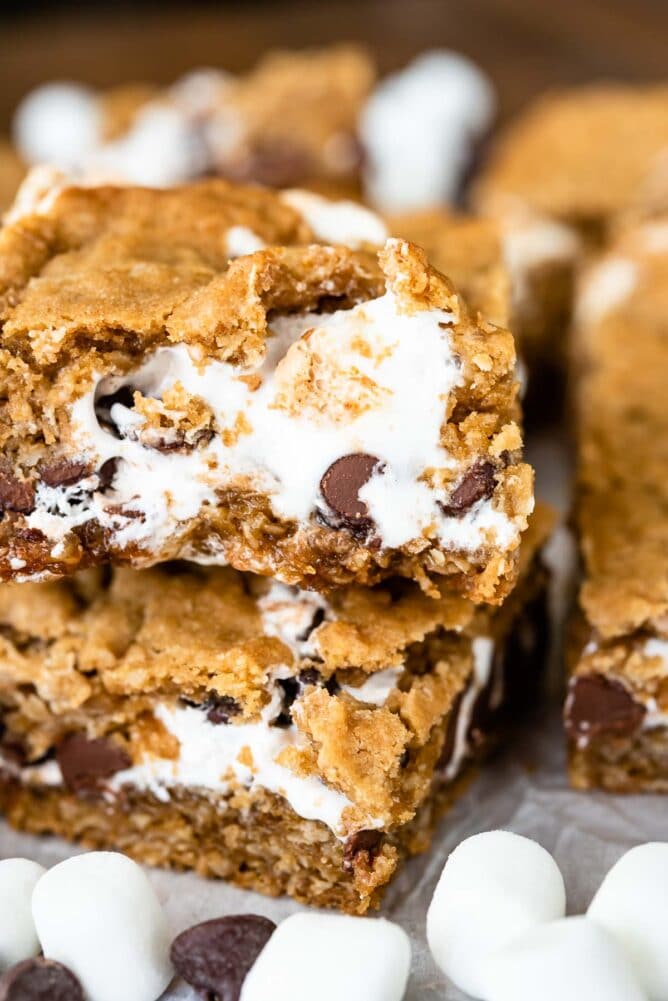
(494, 887)
(568, 960)
(330, 957)
(632, 905)
(99, 915)
(18, 938)
(59, 124)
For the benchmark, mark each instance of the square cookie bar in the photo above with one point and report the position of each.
(616, 712)
(290, 743)
(310, 412)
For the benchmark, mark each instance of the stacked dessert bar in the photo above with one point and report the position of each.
(263, 498)
(617, 707)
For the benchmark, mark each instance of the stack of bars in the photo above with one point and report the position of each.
(263, 498)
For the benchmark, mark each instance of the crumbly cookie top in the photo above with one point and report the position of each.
(554, 157)
(466, 249)
(622, 357)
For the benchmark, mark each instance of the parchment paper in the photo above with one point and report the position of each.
(523, 789)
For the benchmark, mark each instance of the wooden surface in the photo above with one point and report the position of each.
(526, 45)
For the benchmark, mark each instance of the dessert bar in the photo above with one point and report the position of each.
(286, 741)
(313, 118)
(307, 411)
(616, 711)
(582, 156)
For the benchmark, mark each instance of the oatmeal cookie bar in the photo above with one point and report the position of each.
(616, 711)
(291, 120)
(309, 412)
(283, 740)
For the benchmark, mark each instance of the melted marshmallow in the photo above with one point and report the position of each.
(483, 659)
(209, 755)
(389, 376)
(337, 222)
(419, 128)
(289, 613)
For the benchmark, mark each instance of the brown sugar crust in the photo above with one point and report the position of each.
(93, 279)
(554, 156)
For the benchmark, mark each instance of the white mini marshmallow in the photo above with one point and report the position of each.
(331, 957)
(99, 915)
(494, 887)
(632, 904)
(18, 938)
(59, 124)
(419, 129)
(568, 960)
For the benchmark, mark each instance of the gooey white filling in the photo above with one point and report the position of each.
(483, 659)
(400, 367)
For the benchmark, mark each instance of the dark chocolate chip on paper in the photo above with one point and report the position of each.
(39, 979)
(215, 956)
(85, 763)
(597, 705)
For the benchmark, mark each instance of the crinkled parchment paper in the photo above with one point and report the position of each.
(523, 789)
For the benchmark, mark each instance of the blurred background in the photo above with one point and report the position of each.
(525, 45)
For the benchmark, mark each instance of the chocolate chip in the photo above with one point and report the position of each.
(310, 677)
(106, 473)
(221, 708)
(125, 396)
(342, 483)
(362, 842)
(477, 484)
(598, 705)
(15, 494)
(64, 473)
(215, 956)
(317, 620)
(178, 441)
(84, 762)
(291, 688)
(39, 979)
